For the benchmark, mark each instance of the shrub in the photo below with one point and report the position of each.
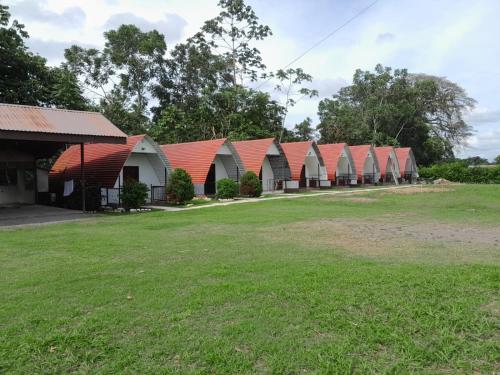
(250, 185)
(180, 188)
(460, 172)
(134, 194)
(227, 188)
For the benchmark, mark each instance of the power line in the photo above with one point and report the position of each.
(322, 40)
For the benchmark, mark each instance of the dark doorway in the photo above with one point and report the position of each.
(302, 181)
(210, 181)
(130, 173)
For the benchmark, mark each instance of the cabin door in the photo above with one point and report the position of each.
(302, 181)
(130, 173)
(210, 181)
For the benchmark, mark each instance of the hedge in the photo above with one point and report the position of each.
(227, 189)
(459, 172)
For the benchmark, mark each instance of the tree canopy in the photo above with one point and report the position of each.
(393, 107)
(208, 87)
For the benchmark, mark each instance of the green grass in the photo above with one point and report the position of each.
(270, 287)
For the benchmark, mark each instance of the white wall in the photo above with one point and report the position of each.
(343, 167)
(147, 174)
(267, 175)
(18, 193)
(311, 162)
(220, 170)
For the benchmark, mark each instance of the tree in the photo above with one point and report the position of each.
(139, 58)
(180, 188)
(497, 160)
(287, 80)
(475, 160)
(304, 130)
(66, 91)
(123, 75)
(397, 108)
(25, 77)
(231, 33)
(214, 116)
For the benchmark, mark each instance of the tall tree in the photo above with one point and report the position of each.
(395, 107)
(25, 78)
(123, 75)
(288, 80)
(231, 34)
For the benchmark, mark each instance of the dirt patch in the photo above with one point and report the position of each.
(420, 189)
(419, 242)
(360, 199)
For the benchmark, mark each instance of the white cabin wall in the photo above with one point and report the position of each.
(267, 175)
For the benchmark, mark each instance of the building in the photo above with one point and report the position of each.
(28, 134)
(108, 166)
(307, 168)
(266, 159)
(339, 163)
(407, 165)
(365, 161)
(206, 162)
(388, 163)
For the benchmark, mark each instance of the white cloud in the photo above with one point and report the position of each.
(171, 25)
(37, 11)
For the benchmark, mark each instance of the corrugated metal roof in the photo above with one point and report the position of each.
(331, 154)
(403, 153)
(103, 162)
(194, 157)
(383, 155)
(359, 155)
(252, 153)
(21, 118)
(296, 153)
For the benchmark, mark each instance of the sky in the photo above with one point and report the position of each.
(456, 39)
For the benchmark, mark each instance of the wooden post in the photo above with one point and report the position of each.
(82, 174)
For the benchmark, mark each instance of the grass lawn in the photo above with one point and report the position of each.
(377, 282)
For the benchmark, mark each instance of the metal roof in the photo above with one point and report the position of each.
(253, 153)
(359, 154)
(296, 153)
(194, 157)
(331, 154)
(75, 126)
(103, 162)
(383, 154)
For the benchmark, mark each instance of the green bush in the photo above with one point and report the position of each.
(180, 188)
(227, 188)
(459, 172)
(134, 194)
(250, 185)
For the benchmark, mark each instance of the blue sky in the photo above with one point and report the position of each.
(454, 39)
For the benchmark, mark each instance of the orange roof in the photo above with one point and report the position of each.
(252, 153)
(383, 154)
(296, 153)
(29, 119)
(359, 155)
(103, 162)
(194, 157)
(403, 153)
(331, 154)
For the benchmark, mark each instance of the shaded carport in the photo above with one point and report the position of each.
(29, 133)
(26, 215)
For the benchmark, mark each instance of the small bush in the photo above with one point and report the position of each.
(134, 194)
(460, 172)
(250, 185)
(227, 188)
(180, 188)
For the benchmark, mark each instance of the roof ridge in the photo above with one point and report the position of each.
(48, 108)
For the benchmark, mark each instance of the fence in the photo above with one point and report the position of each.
(370, 178)
(158, 194)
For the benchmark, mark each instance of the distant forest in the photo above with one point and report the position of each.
(202, 89)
